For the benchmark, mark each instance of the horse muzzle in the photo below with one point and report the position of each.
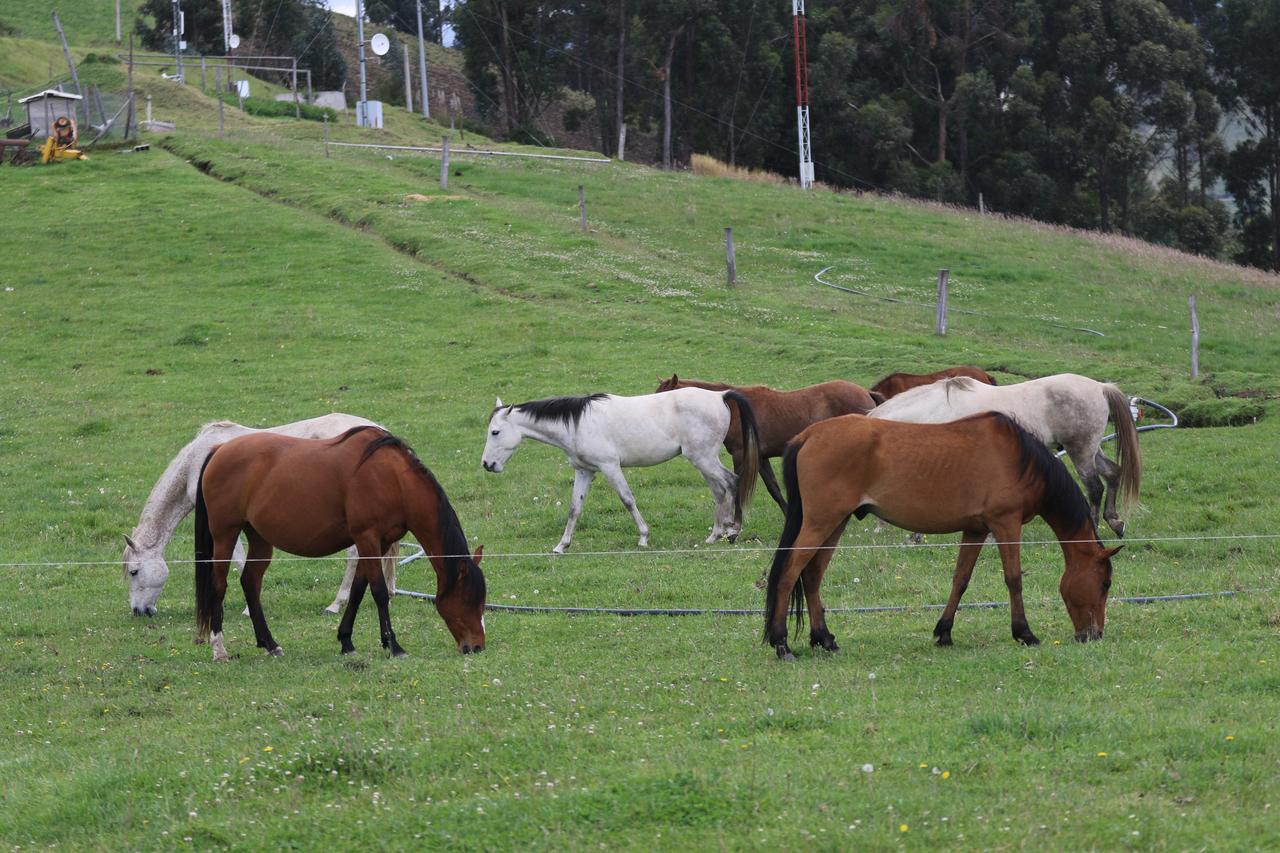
(1093, 632)
(492, 467)
(470, 648)
(144, 611)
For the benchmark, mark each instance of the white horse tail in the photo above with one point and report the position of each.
(1129, 454)
(750, 449)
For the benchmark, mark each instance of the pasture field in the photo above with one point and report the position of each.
(249, 278)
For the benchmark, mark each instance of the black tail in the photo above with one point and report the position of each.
(790, 530)
(750, 451)
(204, 560)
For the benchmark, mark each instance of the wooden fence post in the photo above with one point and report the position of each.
(982, 205)
(444, 166)
(204, 81)
(582, 207)
(1195, 338)
(326, 134)
(730, 259)
(217, 84)
(940, 315)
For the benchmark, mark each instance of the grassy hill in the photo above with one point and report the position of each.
(251, 278)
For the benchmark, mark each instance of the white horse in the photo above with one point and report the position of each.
(174, 496)
(607, 433)
(1064, 409)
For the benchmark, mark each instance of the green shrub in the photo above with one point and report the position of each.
(268, 108)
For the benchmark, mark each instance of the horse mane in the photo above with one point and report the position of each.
(567, 410)
(1062, 496)
(709, 386)
(455, 540)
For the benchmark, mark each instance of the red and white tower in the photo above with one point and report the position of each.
(802, 94)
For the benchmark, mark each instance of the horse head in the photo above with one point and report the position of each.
(1084, 587)
(504, 438)
(667, 384)
(461, 604)
(145, 571)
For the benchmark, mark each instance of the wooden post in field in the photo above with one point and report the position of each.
(217, 84)
(117, 21)
(1195, 338)
(982, 205)
(131, 119)
(730, 259)
(204, 81)
(622, 142)
(582, 207)
(408, 83)
(940, 316)
(444, 165)
(326, 134)
(297, 110)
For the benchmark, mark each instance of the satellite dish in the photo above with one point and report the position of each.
(379, 44)
(235, 41)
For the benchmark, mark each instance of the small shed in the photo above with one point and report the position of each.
(44, 108)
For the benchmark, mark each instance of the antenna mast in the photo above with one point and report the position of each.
(802, 94)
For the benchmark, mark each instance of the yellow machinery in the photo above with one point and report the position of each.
(60, 145)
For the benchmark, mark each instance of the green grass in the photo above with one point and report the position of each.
(250, 278)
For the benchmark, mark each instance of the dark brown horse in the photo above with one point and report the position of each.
(896, 383)
(780, 416)
(313, 497)
(982, 474)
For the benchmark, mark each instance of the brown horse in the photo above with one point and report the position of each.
(982, 474)
(896, 383)
(313, 497)
(780, 415)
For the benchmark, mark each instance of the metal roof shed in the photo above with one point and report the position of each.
(44, 108)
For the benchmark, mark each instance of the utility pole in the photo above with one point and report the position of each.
(802, 93)
(362, 107)
(177, 36)
(422, 65)
(57, 25)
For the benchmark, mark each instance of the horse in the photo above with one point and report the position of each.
(780, 415)
(605, 433)
(312, 497)
(982, 474)
(895, 383)
(174, 496)
(1064, 409)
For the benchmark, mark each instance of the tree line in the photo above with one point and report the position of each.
(1155, 119)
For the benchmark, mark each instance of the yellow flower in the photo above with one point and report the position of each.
(268, 749)
(946, 774)
(244, 760)
(1231, 737)
(903, 828)
(924, 764)
(1102, 755)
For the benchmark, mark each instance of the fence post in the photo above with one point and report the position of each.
(622, 142)
(444, 166)
(582, 207)
(940, 316)
(203, 79)
(1195, 338)
(730, 259)
(148, 112)
(982, 206)
(297, 110)
(326, 134)
(217, 84)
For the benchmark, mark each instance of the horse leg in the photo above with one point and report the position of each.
(812, 575)
(1088, 470)
(358, 586)
(581, 485)
(1111, 473)
(613, 473)
(390, 561)
(771, 483)
(223, 551)
(344, 591)
(237, 559)
(970, 546)
(371, 572)
(1009, 536)
(723, 483)
(806, 545)
(255, 567)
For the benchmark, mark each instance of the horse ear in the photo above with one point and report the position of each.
(499, 404)
(674, 379)
(475, 558)
(129, 541)
(1111, 552)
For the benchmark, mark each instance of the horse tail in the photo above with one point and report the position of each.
(750, 449)
(790, 531)
(1129, 454)
(204, 559)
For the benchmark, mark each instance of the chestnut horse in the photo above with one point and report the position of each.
(313, 497)
(896, 383)
(780, 415)
(983, 474)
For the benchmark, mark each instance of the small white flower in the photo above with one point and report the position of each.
(871, 676)
(867, 768)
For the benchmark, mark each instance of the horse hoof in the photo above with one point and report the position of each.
(277, 652)
(399, 653)
(943, 640)
(350, 651)
(222, 658)
(334, 608)
(1029, 640)
(559, 549)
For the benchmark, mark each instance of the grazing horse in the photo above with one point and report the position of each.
(780, 415)
(606, 433)
(895, 383)
(313, 497)
(983, 474)
(1064, 409)
(174, 496)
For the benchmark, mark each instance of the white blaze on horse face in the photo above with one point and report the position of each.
(146, 573)
(503, 439)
